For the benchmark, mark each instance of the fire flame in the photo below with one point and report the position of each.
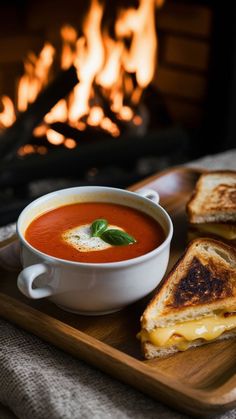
(141, 57)
(108, 70)
(36, 76)
(69, 36)
(7, 116)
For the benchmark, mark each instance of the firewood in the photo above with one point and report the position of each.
(21, 131)
(90, 134)
(110, 152)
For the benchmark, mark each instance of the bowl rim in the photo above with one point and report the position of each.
(106, 265)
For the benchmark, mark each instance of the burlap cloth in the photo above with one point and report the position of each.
(38, 381)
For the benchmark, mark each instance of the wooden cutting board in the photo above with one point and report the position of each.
(201, 381)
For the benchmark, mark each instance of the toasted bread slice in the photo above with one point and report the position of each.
(201, 286)
(214, 198)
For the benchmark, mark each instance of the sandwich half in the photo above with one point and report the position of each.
(212, 208)
(196, 302)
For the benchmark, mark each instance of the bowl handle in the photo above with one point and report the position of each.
(27, 277)
(150, 194)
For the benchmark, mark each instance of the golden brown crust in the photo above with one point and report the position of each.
(193, 197)
(201, 284)
(222, 197)
(199, 281)
(226, 196)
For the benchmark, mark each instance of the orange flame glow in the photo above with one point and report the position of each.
(36, 76)
(108, 68)
(141, 57)
(7, 116)
(69, 37)
(54, 137)
(89, 60)
(57, 113)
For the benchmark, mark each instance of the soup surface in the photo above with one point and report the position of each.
(48, 233)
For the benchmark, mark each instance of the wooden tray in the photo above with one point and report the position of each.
(200, 381)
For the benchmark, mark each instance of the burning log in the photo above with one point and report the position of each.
(124, 124)
(90, 134)
(21, 131)
(105, 105)
(62, 162)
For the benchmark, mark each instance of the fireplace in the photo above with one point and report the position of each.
(101, 92)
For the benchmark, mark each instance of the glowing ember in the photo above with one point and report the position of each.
(109, 126)
(114, 70)
(137, 120)
(70, 143)
(81, 125)
(40, 131)
(95, 117)
(126, 113)
(54, 137)
(26, 149)
(57, 113)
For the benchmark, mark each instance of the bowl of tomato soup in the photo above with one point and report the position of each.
(93, 250)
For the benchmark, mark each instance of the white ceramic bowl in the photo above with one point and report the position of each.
(92, 288)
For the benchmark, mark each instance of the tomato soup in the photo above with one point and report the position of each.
(47, 232)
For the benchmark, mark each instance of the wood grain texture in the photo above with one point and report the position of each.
(201, 381)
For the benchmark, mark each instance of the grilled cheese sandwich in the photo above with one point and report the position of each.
(195, 304)
(212, 207)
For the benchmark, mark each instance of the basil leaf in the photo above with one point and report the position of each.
(117, 237)
(98, 227)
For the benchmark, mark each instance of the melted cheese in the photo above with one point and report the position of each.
(181, 334)
(228, 231)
